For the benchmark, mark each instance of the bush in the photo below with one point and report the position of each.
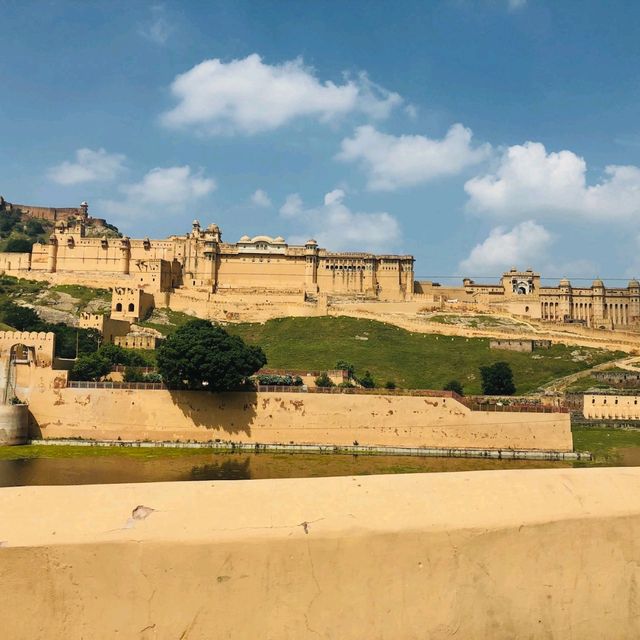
(278, 381)
(90, 367)
(116, 354)
(133, 374)
(21, 318)
(497, 380)
(389, 384)
(347, 384)
(343, 365)
(324, 381)
(17, 245)
(455, 386)
(367, 381)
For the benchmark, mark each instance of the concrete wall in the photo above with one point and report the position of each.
(401, 421)
(492, 555)
(14, 424)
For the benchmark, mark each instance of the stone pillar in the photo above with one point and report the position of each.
(598, 298)
(566, 298)
(125, 255)
(53, 254)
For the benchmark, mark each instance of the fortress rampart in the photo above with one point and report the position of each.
(491, 555)
(273, 417)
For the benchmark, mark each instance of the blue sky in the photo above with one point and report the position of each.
(474, 134)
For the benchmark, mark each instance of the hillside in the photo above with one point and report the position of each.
(411, 360)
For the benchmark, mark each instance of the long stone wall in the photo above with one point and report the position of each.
(272, 417)
(492, 555)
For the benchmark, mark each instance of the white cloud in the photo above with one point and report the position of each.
(392, 162)
(292, 206)
(260, 198)
(526, 243)
(158, 28)
(89, 166)
(248, 96)
(530, 181)
(514, 5)
(160, 191)
(336, 227)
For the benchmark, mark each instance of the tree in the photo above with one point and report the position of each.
(390, 384)
(343, 365)
(21, 318)
(497, 379)
(455, 386)
(18, 245)
(91, 366)
(367, 380)
(323, 380)
(201, 355)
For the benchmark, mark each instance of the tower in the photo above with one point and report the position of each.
(125, 255)
(53, 253)
(311, 267)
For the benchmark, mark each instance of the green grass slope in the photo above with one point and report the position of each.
(412, 360)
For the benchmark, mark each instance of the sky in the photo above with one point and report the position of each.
(476, 135)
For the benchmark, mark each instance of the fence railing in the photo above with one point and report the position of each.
(515, 407)
(141, 386)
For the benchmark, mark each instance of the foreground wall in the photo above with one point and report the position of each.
(484, 555)
(401, 421)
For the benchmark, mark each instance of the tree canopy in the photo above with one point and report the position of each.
(497, 379)
(201, 355)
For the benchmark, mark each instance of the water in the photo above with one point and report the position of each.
(90, 467)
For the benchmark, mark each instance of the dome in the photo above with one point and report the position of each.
(633, 283)
(278, 239)
(312, 241)
(196, 223)
(214, 228)
(565, 282)
(597, 283)
(245, 239)
(84, 203)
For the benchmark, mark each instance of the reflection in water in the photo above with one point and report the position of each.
(108, 469)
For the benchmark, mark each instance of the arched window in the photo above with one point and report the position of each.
(131, 306)
(119, 306)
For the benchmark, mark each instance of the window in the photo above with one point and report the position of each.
(119, 306)
(131, 306)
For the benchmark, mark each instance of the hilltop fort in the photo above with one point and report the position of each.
(263, 276)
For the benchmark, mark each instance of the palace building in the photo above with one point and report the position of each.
(200, 260)
(521, 293)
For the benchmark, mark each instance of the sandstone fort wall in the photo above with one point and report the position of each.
(272, 417)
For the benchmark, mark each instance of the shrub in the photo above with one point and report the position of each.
(367, 380)
(347, 384)
(133, 374)
(389, 384)
(17, 245)
(455, 386)
(323, 380)
(343, 365)
(91, 367)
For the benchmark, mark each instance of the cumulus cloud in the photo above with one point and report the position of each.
(89, 166)
(260, 198)
(335, 226)
(161, 191)
(392, 162)
(248, 96)
(526, 243)
(158, 29)
(530, 181)
(292, 206)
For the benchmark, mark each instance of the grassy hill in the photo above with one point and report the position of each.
(412, 360)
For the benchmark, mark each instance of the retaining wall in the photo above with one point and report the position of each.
(490, 555)
(274, 417)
